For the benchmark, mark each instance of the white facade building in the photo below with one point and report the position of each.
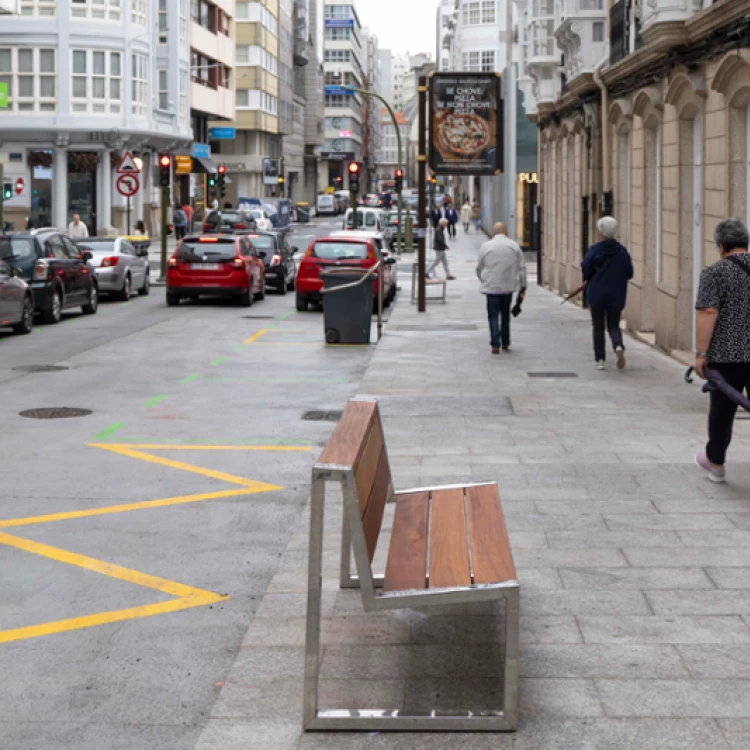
(87, 81)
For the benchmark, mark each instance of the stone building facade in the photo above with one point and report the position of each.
(658, 135)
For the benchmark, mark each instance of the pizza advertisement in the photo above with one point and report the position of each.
(466, 124)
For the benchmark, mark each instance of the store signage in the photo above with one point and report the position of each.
(3, 95)
(466, 124)
(345, 133)
(337, 155)
(339, 23)
(183, 164)
(222, 134)
(201, 151)
(531, 177)
(338, 90)
(271, 171)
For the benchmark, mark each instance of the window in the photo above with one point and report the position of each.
(338, 11)
(139, 83)
(96, 86)
(163, 90)
(162, 16)
(285, 110)
(242, 12)
(183, 23)
(31, 79)
(338, 35)
(488, 11)
(203, 13)
(592, 4)
(183, 97)
(471, 14)
(98, 9)
(139, 12)
(488, 61)
(242, 55)
(297, 114)
(471, 62)
(243, 98)
(337, 55)
(598, 31)
(38, 7)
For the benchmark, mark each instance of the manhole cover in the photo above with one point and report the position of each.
(60, 412)
(322, 416)
(552, 374)
(259, 317)
(41, 368)
(445, 327)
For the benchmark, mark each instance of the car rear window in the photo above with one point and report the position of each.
(207, 252)
(339, 250)
(262, 241)
(15, 248)
(230, 216)
(97, 248)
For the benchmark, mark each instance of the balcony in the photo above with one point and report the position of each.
(580, 36)
(301, 34)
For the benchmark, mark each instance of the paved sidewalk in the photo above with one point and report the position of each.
(634, 570)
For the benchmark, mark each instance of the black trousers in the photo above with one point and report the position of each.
(600, 319)
(722, 411)
(451, 230)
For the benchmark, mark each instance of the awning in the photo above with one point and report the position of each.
(203, 166)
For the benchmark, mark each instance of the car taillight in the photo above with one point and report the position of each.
(239, 226)
(239, 263)
(110, 262)
(41, 270)
(276, 260)
(173, 262)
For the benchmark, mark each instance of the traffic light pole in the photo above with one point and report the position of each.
(2, 198)
(164, 202)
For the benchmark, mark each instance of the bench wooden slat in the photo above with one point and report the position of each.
(368, 465)
(407, 555)
(344, 445)
(373, 517)
(491, 556)
(449, 549)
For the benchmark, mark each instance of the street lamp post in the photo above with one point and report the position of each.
(365, 92)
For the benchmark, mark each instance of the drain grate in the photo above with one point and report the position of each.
(552, 374)
(60, 412)
(40, 368)
(445, 327)
(317, 415)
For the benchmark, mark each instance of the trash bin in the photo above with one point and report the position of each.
(303, 212)
(347, 314)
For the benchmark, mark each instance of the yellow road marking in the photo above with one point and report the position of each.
(255, 336)
(149, 447)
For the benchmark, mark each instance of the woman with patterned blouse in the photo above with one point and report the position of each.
(723, 336)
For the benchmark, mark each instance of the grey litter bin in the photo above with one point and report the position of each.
(303, 212)
(347, 315)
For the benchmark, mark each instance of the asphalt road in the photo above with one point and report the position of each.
(119, 616)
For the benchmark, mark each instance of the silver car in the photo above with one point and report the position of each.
(119, 267)
(16, 300)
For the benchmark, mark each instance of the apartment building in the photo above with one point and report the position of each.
(371, 133)
(647, 120)
(87, 81)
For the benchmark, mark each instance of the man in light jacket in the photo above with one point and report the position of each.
(77, 230)
(502, 271)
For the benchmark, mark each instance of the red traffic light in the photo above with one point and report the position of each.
(353, 168)
(165, 160)
(399, 173)
(222, 170)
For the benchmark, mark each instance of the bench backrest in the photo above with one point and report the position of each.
(357, 446)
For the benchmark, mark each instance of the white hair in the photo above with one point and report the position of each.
(607, 227)
(443, 222)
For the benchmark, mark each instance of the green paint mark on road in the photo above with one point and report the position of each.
(191, 378)
(107, 433)
(217, 361)
(284, 317)
(154, 401)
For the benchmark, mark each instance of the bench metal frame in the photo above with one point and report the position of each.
(373, 599)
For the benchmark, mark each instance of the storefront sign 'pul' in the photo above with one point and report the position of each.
(466, 124)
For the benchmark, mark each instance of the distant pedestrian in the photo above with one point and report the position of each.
(140, 228)
(466, 215)
(452, 216)
(179, 222)
(476, 215)
(77, 230)
(607, 268)
(435, 216)
(722, 337)
(441, 251)
(501, 269)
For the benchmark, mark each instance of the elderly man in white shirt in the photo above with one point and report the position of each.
(502, 271)
(77, 230)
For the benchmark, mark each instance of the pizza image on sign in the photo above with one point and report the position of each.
(463, 134)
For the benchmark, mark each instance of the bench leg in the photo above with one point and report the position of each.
(510, 692)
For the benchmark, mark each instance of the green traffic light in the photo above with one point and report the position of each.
(211, 182)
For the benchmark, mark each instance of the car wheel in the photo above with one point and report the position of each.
(124, 293)
(173, 299)
(245, 299)
(53, 314)
(302, 303)
(27, 317)
(291, 285)
(281, 287)
(145, 290)
(92, 305)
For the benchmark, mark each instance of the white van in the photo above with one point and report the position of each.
(325, 205)
(370, 219)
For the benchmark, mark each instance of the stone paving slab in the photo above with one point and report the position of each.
(634, 570)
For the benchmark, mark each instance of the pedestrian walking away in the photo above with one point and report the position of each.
(722, 337)
(77, 230)
(441, 251)
(466, 214)
(179, 221)
(476, 216)
(452, 216)
(607, 268)
(435, 216)
(501, 269)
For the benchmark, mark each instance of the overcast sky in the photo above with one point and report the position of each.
(401, 25)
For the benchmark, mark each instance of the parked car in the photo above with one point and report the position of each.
(118, 266)
(56, 270)
(16, 300)
(259, 219)
(235, 221)
(393, 223)
(372, 219)
(342, 200)
(215, 266)
(353, 251)
(373, 200)
(326, 205)
(278, 259)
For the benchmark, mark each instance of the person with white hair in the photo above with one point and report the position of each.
(441, 248)
(607, 268)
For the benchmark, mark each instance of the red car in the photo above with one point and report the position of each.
(215, 266)
(341, 252)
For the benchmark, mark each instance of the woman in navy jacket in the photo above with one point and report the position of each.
(607, 268)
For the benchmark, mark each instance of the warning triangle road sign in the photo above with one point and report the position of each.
(127, 165)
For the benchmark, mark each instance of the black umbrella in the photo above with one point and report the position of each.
(715, 382)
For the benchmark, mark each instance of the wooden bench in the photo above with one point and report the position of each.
(428, 283)
(448, 545)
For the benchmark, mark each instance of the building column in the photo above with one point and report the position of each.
(105, 193)
(60, 189)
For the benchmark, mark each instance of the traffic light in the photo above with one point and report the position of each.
(7, 191)
(222, 181)
(354, 177)
(399, 175)
(212, 180)
(339, 180)
(281, 185)
(165, 169)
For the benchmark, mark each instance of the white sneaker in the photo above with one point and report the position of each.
(620, 353)
(601, 364)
